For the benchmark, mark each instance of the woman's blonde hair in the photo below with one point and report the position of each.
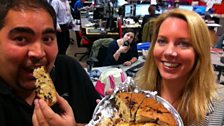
(200, 86)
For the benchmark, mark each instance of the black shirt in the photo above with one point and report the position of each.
(71, 82)
(113, 47)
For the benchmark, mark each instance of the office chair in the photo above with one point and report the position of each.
(99, 52)
(83, 42)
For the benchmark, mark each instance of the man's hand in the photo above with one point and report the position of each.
(108, 92)
(44, 116)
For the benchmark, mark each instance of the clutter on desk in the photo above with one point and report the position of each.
(76, 25)
(131, 72)
(143, 48)
(143, 45)
(128, 21)
(90, 24)
(216, 50)
(110, 78)
(94, 73)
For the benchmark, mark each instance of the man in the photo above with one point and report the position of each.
(27, 41)
(146, 18)
(64, 20)
(77, 6)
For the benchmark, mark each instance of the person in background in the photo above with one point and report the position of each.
(77, 6)
(179, 68)
(122, 51)
(64, 21)
(27, 41)
(146, 18)
(152, 13)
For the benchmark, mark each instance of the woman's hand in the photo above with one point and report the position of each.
(123, 49)
(127, 63)
(43, 115)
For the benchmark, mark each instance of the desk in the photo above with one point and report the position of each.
(213, 25)
(100, 33)
(133, 26)
(87, 26)
(85, 22)
(124, 68)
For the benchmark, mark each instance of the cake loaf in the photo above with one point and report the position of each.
(143, 110)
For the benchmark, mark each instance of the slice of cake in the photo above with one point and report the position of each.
(146, 106)
(152, 111)
(136, 101)
(44, 86)
(123, 100)
(128, 104)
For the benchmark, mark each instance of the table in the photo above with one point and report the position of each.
(96, 33)
(213, 25)
(124, 68)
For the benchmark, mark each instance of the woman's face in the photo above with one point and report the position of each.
(173, 51)
(129, 36)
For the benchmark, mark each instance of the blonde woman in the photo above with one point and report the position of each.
(179, 68)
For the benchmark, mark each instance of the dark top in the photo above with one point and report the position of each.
(71, 82)
(78, 4)
(113, 47)
(145, 19)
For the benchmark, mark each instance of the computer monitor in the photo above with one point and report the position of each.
(141, 9)
(98, 12)
(186, 7)
(200, 9)
(128, 10)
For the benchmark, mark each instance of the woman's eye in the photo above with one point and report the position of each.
(161, 41)
(184, 44)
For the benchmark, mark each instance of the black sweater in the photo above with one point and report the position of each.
(71, 82)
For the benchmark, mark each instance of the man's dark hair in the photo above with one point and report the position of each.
(18, 5)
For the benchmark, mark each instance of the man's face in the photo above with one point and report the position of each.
(27, 41)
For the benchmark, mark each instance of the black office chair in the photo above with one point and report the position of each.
(99, 52)
(83, 42)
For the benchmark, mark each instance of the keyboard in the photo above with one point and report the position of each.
(133, 70)
(94, 31)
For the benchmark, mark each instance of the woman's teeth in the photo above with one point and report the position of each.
(170, 64)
